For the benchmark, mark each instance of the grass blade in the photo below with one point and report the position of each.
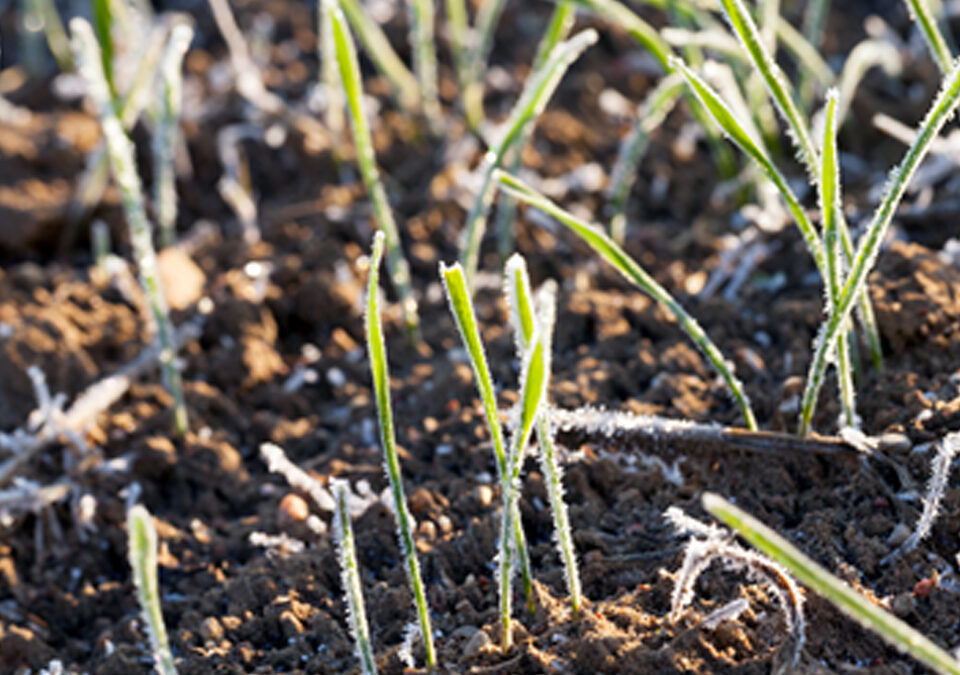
(333, 112)
(124, 168)
(350, 578)
(378, 48)
(458, 296)
(839, 593)
(170, 99)
(377, 353)
(940, 112)
(425, 61)
(478, 54)
(142, 554)
(633, 272)
(651, 114)
(830, 207)
(533, 381)
(641, 31)
(922, 14)
(353, 89)
(533, 100)
(523, 320)
(559, 26)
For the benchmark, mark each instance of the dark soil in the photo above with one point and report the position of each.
(235, 607)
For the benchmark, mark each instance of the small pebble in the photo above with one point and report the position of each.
(924, 588)
(903, 604)
(484, 495)
(446, 525)
(899, 535)
(291, 510)
(210, 629)
(427, 530)
(479, 640)
(894, 442)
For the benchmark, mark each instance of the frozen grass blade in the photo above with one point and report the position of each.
(533, 386)
(537, 91)
(352, 83)
(940, 112)
(54, 33)
(830, 208)
(922, 14)
(458, 295)
(377, 352)
(169, 99)
(350, 578)
(594, 236)
(378, 48)
(840, 594)
(142, 554)
(333, 112)
(425, 60)
(641, 31)
(737, 132)
(488, 15)
(459, 30)
(651, 114)
(123, 163)
(865, 55)
(523, 320)
(559, 26)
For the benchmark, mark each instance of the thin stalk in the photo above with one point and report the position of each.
(353, 89)
(170, 98)
(537, 91)
(350, 578)
(594, 236)
(425, 61)
(378, 48)
(142, 555)
(859, 608)
(460, 38)
(458, 296)
(558, 28)
(377, 353)
(654, 109)
(940, 112)
(333, 112)
(533, 382)
(523, 321)
(922, 14)
(53, 31)
(830, 207)
(124, 167)
(486, 21)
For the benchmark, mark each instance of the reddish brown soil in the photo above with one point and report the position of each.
(232, 607)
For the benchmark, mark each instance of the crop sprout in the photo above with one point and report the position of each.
(123, 163)
(536, 92)
(527, 314)
(894, 631)
(142, 551)
(613, 254)
(352, 83)
(377, 354)
(169, 96)
(425, 60)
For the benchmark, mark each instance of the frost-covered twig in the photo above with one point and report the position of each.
(142, 551)
(939, 474)
(277, 462)
(350, 578)
(709, 545)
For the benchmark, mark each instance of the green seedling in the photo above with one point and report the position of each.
(837, 592)
(611, 252)
(749, 36)
(333, 113)
(123, 164)
(53, 31)
(425, 60)
(558, 28)
(377, 353)
(942, 110)
(378, 48)
(460, 36)
(533, 100)
(525, 324)
(350, 578)
(461, 306)
(922, 14)
(166, 133)
(352, 83)
(533, 387)
(142, 554)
